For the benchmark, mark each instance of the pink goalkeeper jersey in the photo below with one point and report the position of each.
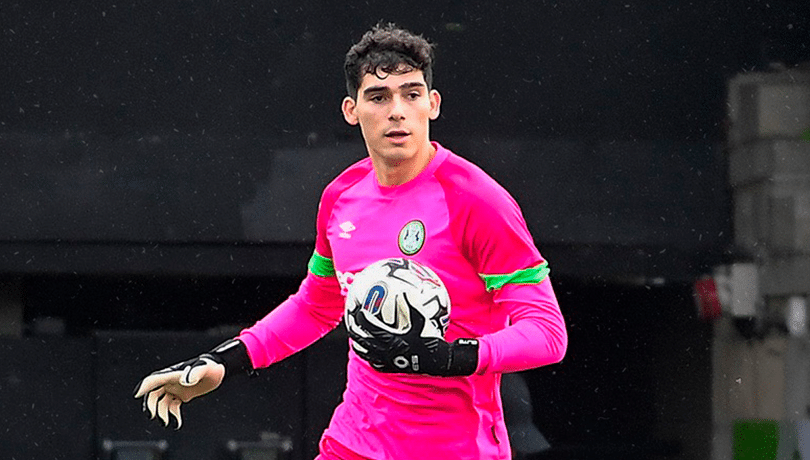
(457, 220)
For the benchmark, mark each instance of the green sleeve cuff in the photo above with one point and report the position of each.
(321, 266)
(531, 275)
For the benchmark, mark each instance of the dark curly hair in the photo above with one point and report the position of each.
(387, 49)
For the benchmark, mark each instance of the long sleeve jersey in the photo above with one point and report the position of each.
(457, 220)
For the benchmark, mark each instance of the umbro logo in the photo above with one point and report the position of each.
(346, 228)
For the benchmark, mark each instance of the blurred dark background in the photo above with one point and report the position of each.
(161, 162)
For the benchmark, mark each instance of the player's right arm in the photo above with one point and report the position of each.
(299, 321)
(165, 390)
(316, 308)
(295, 324)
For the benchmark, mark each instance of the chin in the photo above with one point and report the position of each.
(397, 152)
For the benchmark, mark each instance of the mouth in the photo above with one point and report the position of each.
(396, 135)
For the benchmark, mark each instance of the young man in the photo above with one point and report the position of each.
(410, 198)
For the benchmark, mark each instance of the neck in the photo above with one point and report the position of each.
(392, 172)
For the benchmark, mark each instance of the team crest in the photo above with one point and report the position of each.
(412, 237)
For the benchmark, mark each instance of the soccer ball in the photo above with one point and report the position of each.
(384, 290)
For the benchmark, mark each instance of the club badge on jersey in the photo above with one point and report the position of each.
(412, 237)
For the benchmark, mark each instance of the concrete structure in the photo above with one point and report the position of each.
(761, 364)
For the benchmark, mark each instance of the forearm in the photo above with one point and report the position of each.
(536, 336)
(298, 322)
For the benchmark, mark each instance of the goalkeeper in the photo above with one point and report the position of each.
(411, 197)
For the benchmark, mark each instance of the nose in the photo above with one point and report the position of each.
(397, 111)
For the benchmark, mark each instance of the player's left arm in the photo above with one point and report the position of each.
(491, 232)
(536, 335)
(496, 241)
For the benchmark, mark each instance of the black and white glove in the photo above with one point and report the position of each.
(411, 353)
(165, 390)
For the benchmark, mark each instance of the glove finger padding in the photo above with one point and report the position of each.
(369, 351)
(150, 401)
(168, 404)
(174, 409)
(381, 346)
(157, 379)
(163, 409)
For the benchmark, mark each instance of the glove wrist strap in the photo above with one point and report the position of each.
(234, 356)
(463, 357)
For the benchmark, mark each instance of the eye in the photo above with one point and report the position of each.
(377, 98)
(414, 95)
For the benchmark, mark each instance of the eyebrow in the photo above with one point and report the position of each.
(407, 85)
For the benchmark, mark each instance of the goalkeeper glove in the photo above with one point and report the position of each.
(165, 390)
(410, 353)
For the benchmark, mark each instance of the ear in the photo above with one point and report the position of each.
(348, 107)
(435, 104)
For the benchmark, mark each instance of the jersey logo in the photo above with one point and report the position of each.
(346, 228)
(412, 237)
(375, 298)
